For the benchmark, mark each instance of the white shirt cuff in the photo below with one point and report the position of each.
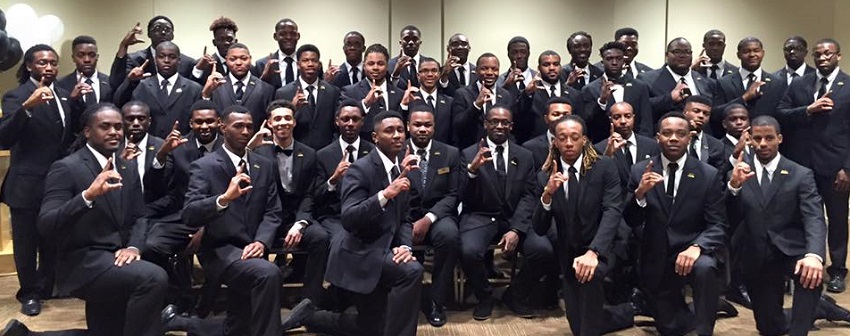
(218, 205)
(733, 190)
(815, 256)
(641, 202)
(88, 203)
(156, 164)
(365, 108)
(444, 84)
(546, 206)
(331, 186)
(432, 217)
(381, 199)
(197, 73)
(601, 106)
(471, 175)
(403, 106)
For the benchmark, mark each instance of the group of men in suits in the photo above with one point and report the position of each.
(232, 158)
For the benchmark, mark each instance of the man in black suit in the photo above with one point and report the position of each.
(629, 37)
(224, 35)
(783, 232)
(703, 146)
(795, 50)
(675, 82)
(472, 102)
(86, 82)
(557, 108)
(239, 87)
(611, 88)
(750, 85)
(295, 164)
(815, 108)
(333, 162)
(497, 206)
(680, 202)
(437, 183)
(585, 236)
(279, 68)
(160, 29)
(532, 102)
(233, 195)
(579, 72)
(139, 143)
(624, 145)
(350, 72)
(168, 93)
(428, 92)
(457, 71)
(519, 74)
(736, 121)
(376, 92)
(38, 125)
(91, 203)
(372, 257)
(316, 100)
(405, 66)
(710, 62)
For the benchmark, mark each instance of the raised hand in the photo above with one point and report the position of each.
(300, 99)
(340, 170)
(40, 95)
(744, 140)
(106, 181)
(754, 91)
(449, 65)
(138, 73)
(574, 75)
(400, 184)
(409, 94)
(81, 89)
(271, 68)
(131, 151)
(409, 163)
(678, 94)
(261, 138)
(534, 85)
(131, 38)
(605, 93)
(556, 181)
(331, 72)
(235, 189)
(374, 94)
(701, 61)
(615, 142)
(403, 63)
(514, 75)
(214, 80)
(741, 172)
(484, 96)
(648, 181)
(823, 104)
(172, 141)
(480, 157)
(206, 61)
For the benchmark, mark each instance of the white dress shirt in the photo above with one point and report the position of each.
(689, 79)
(831, 79)
(171, 82)
(95, 84)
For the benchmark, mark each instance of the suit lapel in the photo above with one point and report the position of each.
(780, 176)
(176, 92)
(659, 191)
(252, 84)
(689, 175)
(109, 198)
(153, 88)
(297, 163)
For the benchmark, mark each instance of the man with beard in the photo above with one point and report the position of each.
(531, 104)
(624, 144)
(279, 68)
(405, 66)
(794, 50)
(632, 68)
(350, 72)
(160, 29)
(815, 109)
(376, 92)
(541, 145)
(138, 143)
(168, 94)
(428, 93)
(86, 83)
(316, 101)
(710, 62)
(240, 87)
(612, 88)
(38, 125)
(675, 82)
(472, 102)
(224, 35)
(579, 71)
(457, 71)
(519, 75)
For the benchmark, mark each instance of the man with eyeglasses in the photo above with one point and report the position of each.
(160, 29)
(795, 50)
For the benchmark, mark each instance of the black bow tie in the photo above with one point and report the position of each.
(287, 152)
(619, 80)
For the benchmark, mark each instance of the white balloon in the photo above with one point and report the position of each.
(51, 27)
(20, 23)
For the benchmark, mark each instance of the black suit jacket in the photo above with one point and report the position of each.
(595, 73)
(256, 98)
(731, 90)
(164, 111)
(641, 68)
(343, 76)
(454, 83)
(327, 202)
(253, 217)
(539, 148)
(122, 66)
(275, 80)
(528, 115)
(661, 83)
(467, 121)
(595, 226)
(440, 193)
(221, 67)
(646, 148)
(357, 254)
(442, 116)
(788, 217)
(713, 152)
(35, 143)
(782, 74)
(359, 91)
(296, 204)
(69, 81)
(635, 93)
(728, 69)
(88, 237)
(172, 180)
(821, 141)
(405, 74)
(698, 215)
(314, 128)
(483, 196)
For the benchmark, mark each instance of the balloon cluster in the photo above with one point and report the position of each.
(24, 30)
(10, 47)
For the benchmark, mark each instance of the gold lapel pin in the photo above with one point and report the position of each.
(252, 83)
(628, 84)
(436, 153)
(783, 172)
(513, 162)
(767, 79)
(840, 83)
(122, 167)
(300, 155)
(256, 166)
(178, 90)
(442, 101)
(321, 87)
(150, 148)
(691, 175)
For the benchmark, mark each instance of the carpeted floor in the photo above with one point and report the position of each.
(68, 313)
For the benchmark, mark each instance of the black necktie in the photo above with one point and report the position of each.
(414, 79)
(354, 77)
(350, 150)
(521, 85)
(714, 69)
(672, 167)
(287, 152)
(90, 98)
(394, 173)
(163, 90)
(692, 148)
(202, 151)
(572, 190)
(430, 101)
(765, 181)
(290, 71)
(500, 159)
(794, 75)
(628, 153)
(423, 164)
(311, 98)
(686, 92)
(461, 77)
(244, 164)
(552, 92)
(240, 91)
(822, 90)
(751, 78)
(580, 83)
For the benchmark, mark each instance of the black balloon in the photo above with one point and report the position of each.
(13, 55)
(2, 20)
(4, 42)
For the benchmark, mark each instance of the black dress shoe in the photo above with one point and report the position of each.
(436, 314)
(726, 309)
(830, 310)
(517, 305)
(15, 328)
(836, 284)
(483, 310)
(638, 303)
(740, 296)
(171, 320)
(296, 317)
(31, 307)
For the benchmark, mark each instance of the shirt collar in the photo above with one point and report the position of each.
(82, 78)
(677, 76)
(427, 147)
(632, 139)
(304, 84)
(549, 136)
(171, 80)
(101, 160)
(209, 146)
(745, 73)
(770, 166)
(547, 85)
(359, 67)
(388, 164)
(493, 145)
(282, 56)
(665, 161)
(244, 80)
(344, 144)
(142, 143)
(235, 158)
(37, 83)
(576, 165)
(831, 76)
(801, 70)
(732, 139)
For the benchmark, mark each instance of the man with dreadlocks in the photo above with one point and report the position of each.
(574, 178)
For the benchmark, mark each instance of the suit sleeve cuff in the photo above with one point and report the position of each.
(331, 186)
(218, 206)
(432, 217)
(814, 255)
(641, 202)
(734, 191)
(197, 73)
(546, 206)
(88, 203)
